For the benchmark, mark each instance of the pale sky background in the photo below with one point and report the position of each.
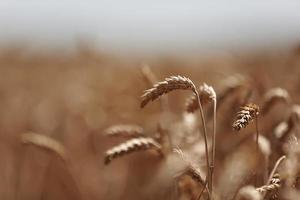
(151, 26)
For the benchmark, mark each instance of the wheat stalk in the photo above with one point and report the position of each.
(148, 75)
(274, 96)
(174, 83)
(132, 145)
(124, 130)
(44, 142)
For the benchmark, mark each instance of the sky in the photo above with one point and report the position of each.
(151, 26)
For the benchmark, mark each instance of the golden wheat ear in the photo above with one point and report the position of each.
(246, 115)
(130, 146)
(207, 94)
(169, 84)
(124, 130)
(44, 142)
(274, 96)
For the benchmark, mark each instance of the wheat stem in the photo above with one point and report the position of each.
(205, 135)
(278, 162)
(213, 145)
(256, 146)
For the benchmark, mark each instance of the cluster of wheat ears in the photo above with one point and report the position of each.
(278, 179)
(270, 186)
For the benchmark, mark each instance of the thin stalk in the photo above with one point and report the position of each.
(204, 134)
(278, 162)
(202, 190)
(213, 153)
(256, 148)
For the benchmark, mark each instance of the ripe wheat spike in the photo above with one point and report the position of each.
(45, 142)
(273, 96)
(207, 94)
(274, 185)
(124, 130)
(246, 114)
(169, 84)
(132, 145)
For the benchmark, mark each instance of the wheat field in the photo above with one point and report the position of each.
(72, 126)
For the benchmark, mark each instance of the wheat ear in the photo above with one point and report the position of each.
(274, 96)
(44, 142)
(283, 129)
(207, 94)
(132, 145)
(232, 84)
(124, 130)
(248, 113)
(174, 83)
(169, 84)
(272, 186)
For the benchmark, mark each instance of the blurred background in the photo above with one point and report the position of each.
(151, 27)
(70, 69)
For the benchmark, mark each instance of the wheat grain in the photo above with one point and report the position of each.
(169, 84)
(207, 94)
(274, 96)
(246, 114)
(124, 130)
(44, 142)
(132, 145)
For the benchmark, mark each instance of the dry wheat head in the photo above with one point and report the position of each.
(169, 84)
(246, 114)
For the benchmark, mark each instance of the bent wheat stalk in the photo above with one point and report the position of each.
(175, 83)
